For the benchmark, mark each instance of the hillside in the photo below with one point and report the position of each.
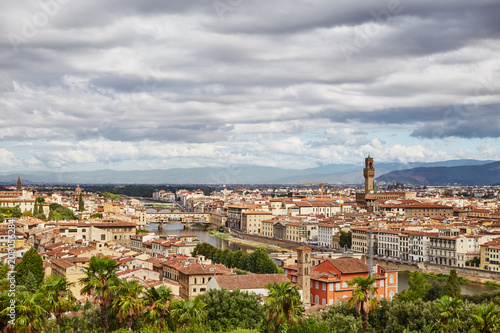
(244, 174)
(486, 174)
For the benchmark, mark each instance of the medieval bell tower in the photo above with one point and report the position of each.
(303, 273)
(369, 173)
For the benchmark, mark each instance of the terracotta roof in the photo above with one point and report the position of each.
(349, 265)
(252, 281)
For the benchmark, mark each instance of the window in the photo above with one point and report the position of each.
(317, 285)
(391, 279)
(103, 237)
(316, 299)
(324, 286)
(330, 286)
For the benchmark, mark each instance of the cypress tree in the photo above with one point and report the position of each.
(40, 209)
(452, 287)
(30, 282)
(35, 209)
(33, 262)
(81, 205)
(51, 215)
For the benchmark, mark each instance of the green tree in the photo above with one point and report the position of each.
(436, 290)
(157, 301)
(100, 281)
(452, 287)
(58, 298)
(486, 319)
(51, 215)
(362, 296)
(81, 205)
(30, 282)
(450, 309)
(30, 314)
(228, 310)
(27, 214)
(40, 199)
(127, 301)
(418, 287)
(35, 209)
(283, 305)
(187, 313)
(16, 212)
(258, 262)
(61, 213)
(33, 262)
(345, 239)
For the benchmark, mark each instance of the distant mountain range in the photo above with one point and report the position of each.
(245, 174)
(485, 174)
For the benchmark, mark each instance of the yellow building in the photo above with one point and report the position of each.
(73, 269)
(251, 221)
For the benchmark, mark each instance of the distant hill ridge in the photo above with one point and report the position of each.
(486, 174)
(243, 174)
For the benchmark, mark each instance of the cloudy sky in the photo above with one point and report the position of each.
(126, 84)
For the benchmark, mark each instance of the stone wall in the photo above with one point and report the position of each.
(265, 240)
(469, 273)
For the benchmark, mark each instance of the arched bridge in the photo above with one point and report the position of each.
(162, 218)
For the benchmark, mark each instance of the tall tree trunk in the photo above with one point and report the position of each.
(129, 322)
(364, 319)
(104, 318)
(58, 321)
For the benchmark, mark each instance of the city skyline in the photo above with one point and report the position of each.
(126, 85)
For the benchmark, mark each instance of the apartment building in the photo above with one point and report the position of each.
(418, 245)
(326, 231)
(296, 232)
(251, 221)
(443, 248)
(360, 237)
(388, 244)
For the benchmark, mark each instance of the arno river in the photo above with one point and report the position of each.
(177, 229)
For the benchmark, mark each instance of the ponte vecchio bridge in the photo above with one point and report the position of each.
(162, 216)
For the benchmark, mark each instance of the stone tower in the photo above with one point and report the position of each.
(304, 273)
(369, 173)
(19, 187)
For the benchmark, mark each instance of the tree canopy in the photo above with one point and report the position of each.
(229, 310)
(256, 262)
(31, 262)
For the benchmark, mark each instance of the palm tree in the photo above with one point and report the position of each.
(186, 313)
(57, 296)
(30, 314)
(157, 303)
(487, 319)
(128, 302)
(283, 304)
(100, 281)
(362, 296)
(450, 309)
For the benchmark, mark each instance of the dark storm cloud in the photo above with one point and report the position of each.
(465, 121)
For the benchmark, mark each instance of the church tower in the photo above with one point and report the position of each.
(303, 273)
(369, 173)
(19, 187)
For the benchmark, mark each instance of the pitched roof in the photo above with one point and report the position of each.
(252, 281)
(349, 265)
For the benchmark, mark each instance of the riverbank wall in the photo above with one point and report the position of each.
(472, 274)
(289, 245)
